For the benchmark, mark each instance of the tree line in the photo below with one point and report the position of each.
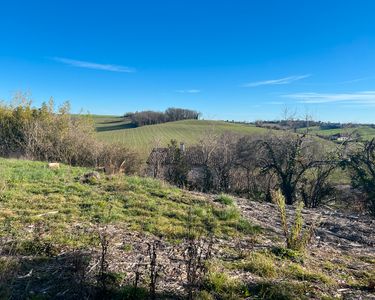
(171, 114)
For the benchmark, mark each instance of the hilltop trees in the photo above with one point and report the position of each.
(150, 117)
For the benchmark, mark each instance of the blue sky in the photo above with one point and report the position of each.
(241, 60)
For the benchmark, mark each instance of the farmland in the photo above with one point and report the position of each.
(365, 132)
(143, 139)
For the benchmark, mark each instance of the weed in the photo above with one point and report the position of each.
(261, 264)
(225, 199)
(296, 238)
(286, 253)
(297, 272)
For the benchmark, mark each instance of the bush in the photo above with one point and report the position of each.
(48, 135)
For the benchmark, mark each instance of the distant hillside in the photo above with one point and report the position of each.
(364, 132)
(116, 129)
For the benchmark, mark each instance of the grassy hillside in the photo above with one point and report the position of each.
(50, 224)
(30, 192)
(115, 129)
(365, 132)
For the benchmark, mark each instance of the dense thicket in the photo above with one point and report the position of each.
(49, 135)
(149, 117)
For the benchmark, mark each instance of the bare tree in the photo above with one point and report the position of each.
(288, 157)
(223, 159)
(361, 164)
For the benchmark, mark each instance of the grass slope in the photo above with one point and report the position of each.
(30, 192)
(142, 139)
(48, 218)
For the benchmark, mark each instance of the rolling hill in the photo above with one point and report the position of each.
(142, 139)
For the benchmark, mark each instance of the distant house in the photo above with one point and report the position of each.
(335, 137)
(341, 137)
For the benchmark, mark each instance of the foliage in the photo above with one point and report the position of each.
(49, 135)
(296, 238)
(143, 118)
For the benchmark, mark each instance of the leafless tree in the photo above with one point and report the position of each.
(287, 156)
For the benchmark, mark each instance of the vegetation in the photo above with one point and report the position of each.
(296, 237)
(143, 118)
(144, 139)
(362, 167)
(49, 135)
(250, 166)
(60, 225)
(73, 233)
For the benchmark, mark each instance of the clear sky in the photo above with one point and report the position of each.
(232, 59)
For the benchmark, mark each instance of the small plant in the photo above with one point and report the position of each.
(259, 263)
(225, 199)
(197, 253)
(219, 285)
(286, 253)
(103, 262)
(296, 238)
(154, 268)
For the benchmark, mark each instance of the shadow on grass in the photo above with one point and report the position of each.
(114, 126)
(67, 276)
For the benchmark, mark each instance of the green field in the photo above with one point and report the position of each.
(365, 132)
(143, 139)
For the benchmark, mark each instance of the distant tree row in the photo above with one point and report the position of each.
(299, 123)
(150, 117)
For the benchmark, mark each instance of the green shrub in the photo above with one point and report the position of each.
(37, 247)
(47, 134)
(260, 264)
(225, 199)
